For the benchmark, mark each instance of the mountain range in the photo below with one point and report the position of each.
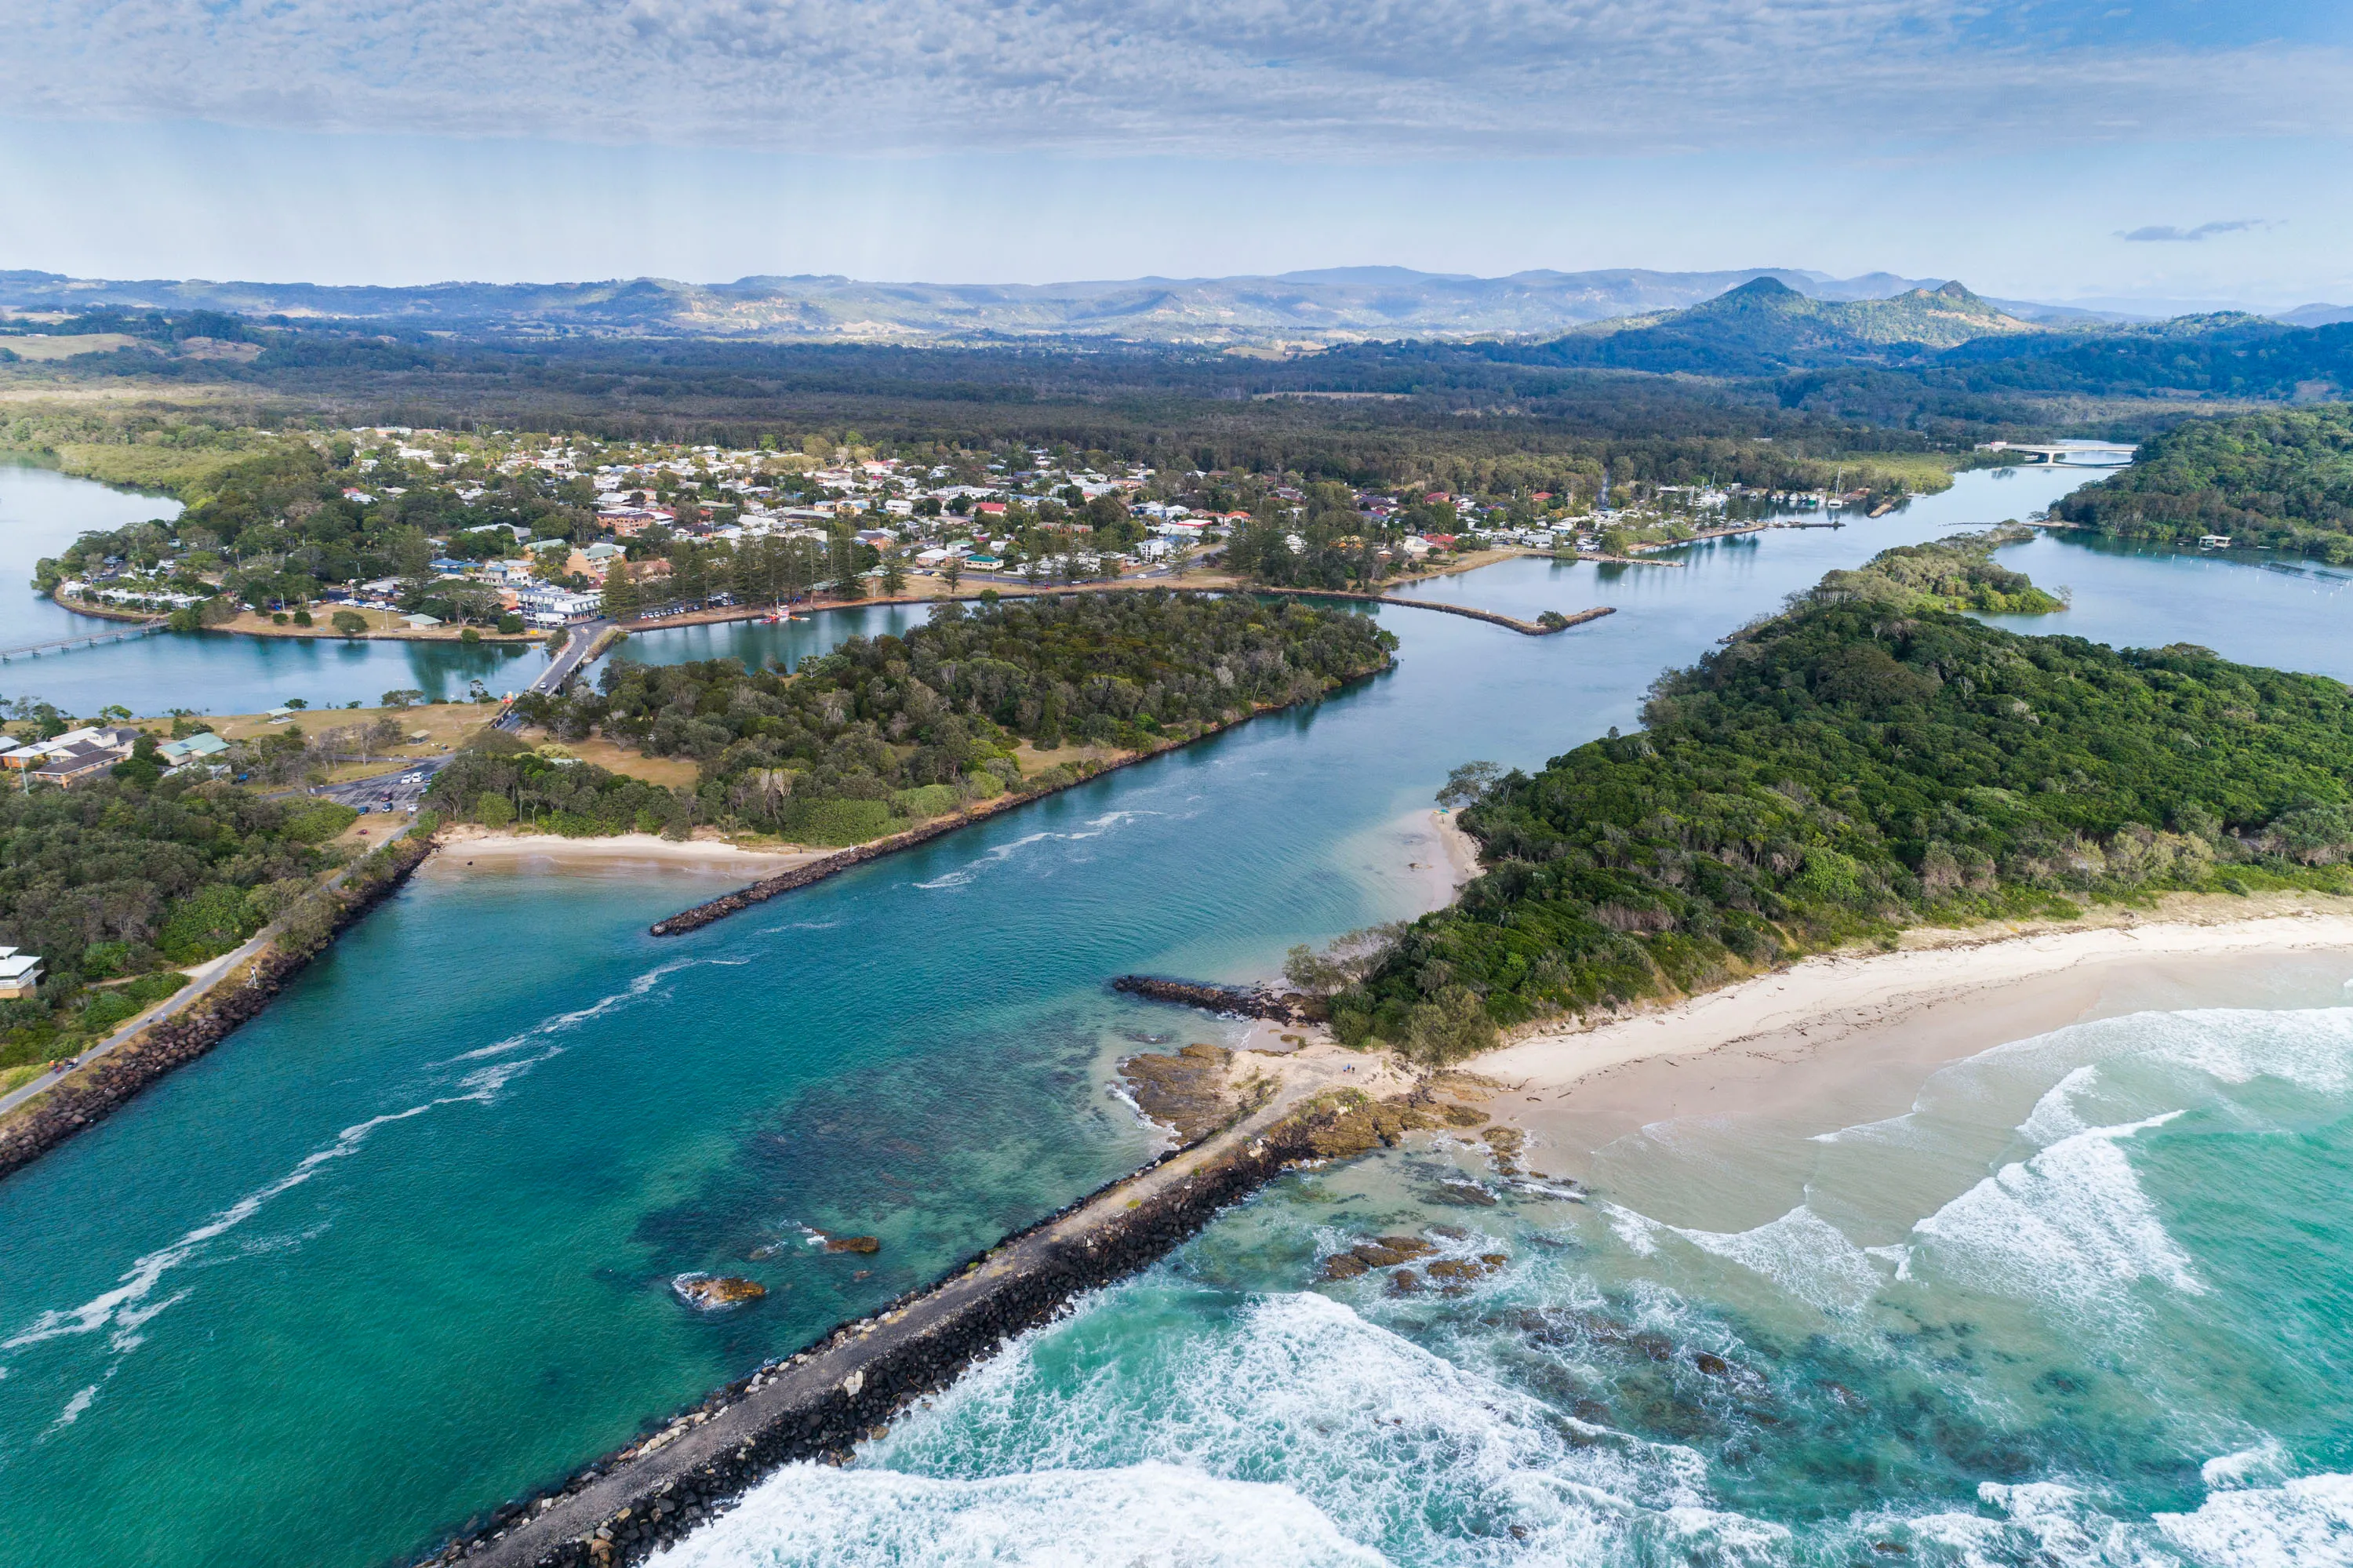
(1330, 305)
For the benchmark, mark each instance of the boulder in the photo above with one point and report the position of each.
(710, 1293)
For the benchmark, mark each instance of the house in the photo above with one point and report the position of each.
(421, 621)
(76, 764)
(196, 748)
(20, 974)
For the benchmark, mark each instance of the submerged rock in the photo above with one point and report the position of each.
(1344, 1266)
(710, 1293)
(853, 1243)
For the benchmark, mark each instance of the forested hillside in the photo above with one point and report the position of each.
(1844, 771)
(892, 730)
(2281, 479)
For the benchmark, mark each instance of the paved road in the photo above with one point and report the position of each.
(202, 979)
(393, 791)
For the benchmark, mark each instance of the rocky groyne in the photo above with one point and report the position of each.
(86, 1097)
(1254, 1001)
(819, 1403)
(816, 871)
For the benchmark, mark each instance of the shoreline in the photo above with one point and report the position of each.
(834, 861)
(466, 842)
(1843, 1038)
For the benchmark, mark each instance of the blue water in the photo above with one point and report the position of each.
(42, 511)
(410, 1237)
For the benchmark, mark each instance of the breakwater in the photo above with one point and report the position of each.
(86, 1097)
(819, 1403)
(1525, 628)
(1254, 1001)
(817, 871)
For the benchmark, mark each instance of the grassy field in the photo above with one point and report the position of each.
(43, 347)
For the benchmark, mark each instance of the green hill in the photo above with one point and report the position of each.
(1766, 327)
(2282, 479)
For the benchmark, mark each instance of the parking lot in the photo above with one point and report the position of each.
(395, 793)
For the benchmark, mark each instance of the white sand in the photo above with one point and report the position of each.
(470, 844)
(1836, 1040)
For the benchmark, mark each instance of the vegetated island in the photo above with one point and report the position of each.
(1867, 761)
(2280, 480)
(894, 736)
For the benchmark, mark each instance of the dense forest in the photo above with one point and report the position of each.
(116, 881)
(890, 730)
(1846, 770)
(2282, 479)
(1958, 573)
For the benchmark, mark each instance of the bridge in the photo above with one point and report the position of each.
(2071, 454)
(35, 650)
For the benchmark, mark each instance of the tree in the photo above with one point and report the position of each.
(1467, 784)
(403, 697)
(349, 623)
(894, 575)
(951, 573)
(620, 598)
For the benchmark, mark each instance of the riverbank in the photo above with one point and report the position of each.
(834, 864)
(200, 1018)
(471, 844)
(1848, 1038)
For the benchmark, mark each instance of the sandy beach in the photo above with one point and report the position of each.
(467, 844)
(1838, 1040)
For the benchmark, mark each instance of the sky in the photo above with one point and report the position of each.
(2186, 153)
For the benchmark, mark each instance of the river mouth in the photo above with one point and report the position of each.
(516, 1118)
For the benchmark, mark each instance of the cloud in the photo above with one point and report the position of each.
(2165, 233)
(1258, 79)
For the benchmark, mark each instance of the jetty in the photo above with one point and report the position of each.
(819, 1403)
(1525, 628)
(84, 640)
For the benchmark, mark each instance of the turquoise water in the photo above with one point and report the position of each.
(42, 511)
(403, 1247)
(2084, 1303)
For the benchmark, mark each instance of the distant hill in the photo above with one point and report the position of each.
(1764, 327)
(1328, 305)
(2314, 315)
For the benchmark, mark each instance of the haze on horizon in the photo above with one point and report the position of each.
(2155, 156)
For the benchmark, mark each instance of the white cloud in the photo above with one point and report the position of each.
(1374, 79)
(2166, 233)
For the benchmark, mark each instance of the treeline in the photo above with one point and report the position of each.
(2281, 480)
(1955, 573)
(1844, 771)
(894, 730)
(117, 881)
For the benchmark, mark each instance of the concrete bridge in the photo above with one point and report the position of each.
(2070, 455)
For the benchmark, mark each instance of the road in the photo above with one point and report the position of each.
(398, 791)
(564, 665)
(202, 979)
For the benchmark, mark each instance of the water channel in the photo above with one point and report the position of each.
(403, 1247)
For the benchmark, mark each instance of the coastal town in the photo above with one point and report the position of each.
(444, 534)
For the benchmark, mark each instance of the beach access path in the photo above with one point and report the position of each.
(202, 979)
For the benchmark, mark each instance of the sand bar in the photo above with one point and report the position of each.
(1836, 1040)
(467, 843)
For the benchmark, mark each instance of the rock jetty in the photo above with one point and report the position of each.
(86, 1097)
(818, 1405)
(1246, 1002)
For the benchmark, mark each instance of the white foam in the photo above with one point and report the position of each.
(1804, 1255)
(1389, 1440)
(563, 1022)
(2304, 1524)
(2069, 1228)
(2265, 1461)
(1151, 1515)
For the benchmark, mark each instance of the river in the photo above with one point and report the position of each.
(403, 1247)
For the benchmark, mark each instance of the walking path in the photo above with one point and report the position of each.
(202, 979)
